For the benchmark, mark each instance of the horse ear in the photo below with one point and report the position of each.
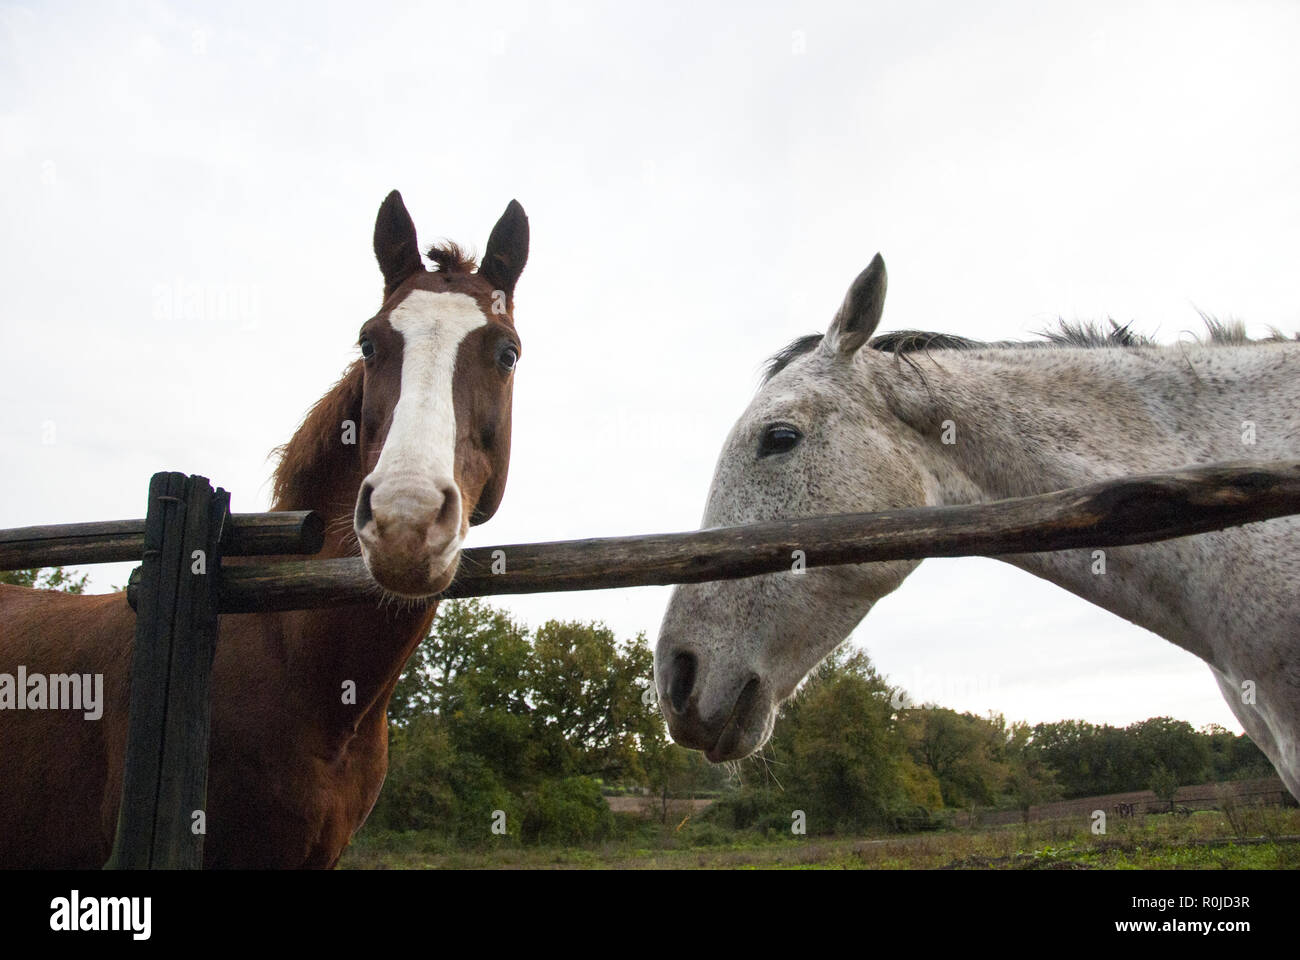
(507, 250)
(860, 313)
(395, 245)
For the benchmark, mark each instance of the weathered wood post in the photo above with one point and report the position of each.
(164, 786)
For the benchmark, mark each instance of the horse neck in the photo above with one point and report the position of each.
(367, 644)
(1029, 421)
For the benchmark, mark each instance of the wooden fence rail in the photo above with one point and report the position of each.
(1108, 514)
(1111, 513)
(110, 541)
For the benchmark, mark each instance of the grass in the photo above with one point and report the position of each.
(1249, 839)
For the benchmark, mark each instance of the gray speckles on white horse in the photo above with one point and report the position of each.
(837, 428)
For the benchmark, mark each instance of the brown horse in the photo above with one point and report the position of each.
(406, 451)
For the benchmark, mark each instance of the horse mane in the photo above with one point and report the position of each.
(1066, 333)
(307, 465)
(450, 257)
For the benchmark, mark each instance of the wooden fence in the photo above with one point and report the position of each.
(181, 587)
(1258, 792)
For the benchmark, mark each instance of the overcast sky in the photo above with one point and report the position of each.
(189, 201)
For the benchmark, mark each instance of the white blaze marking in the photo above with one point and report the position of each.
(421, 442)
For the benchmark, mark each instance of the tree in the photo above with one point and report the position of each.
(586, 693)
(965, 752)
(1164, 784)
(485, 719)
(46, 578)
(1173, 744)
(567, 811)
(433, 786)
(473, 654)
(665, 764)
(1089, 759)
(1104, 759)
(1233, 756)
(848, 764)
(1029, 779)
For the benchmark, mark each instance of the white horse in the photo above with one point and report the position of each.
(930, 419)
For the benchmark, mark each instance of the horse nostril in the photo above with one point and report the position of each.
(449, 514)
(681, 680)
(363, 514)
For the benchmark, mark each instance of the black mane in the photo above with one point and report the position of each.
(1065, 334)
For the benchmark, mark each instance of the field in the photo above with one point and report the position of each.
(1262, 838)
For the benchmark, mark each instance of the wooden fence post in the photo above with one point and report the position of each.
(164, 784)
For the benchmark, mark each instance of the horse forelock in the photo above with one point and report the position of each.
(450, 257)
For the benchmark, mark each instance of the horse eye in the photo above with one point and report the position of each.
(778, 438)
(507, 357)
(367, 348)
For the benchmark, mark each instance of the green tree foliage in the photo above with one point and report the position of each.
(427, 787)
(1029, 778)
(674, 771)
(966, 753)
(475, 658)
(839, 755)
(567, 811)
(490, 719)
(1172, 744)
(1164, 784)
(1091, 759)
(979, 761)
(586, 691)
(46, 578)
(486, 718)
(1234, 756)
(843, 743)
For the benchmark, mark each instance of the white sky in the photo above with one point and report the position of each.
(702, 185)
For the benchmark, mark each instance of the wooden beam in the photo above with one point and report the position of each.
(164, 782)
(1108, 514)
(278, 533)
(68, 543)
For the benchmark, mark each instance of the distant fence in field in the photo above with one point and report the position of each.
(1265, 791)
(652, 807)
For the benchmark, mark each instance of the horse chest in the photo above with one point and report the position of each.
(290, 800)
(345, 791)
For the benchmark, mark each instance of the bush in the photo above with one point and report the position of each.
(434, 788)
(746, 807)
(705, 834)
(773, 825)
(567, 811)
(418, 792)
(917, 818)
(634, 828)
